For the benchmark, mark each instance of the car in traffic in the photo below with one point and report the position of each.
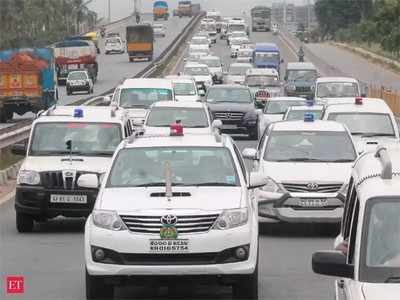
(236, 43)
(194, 57)
(204, 34)
(236, 34)
(267, 55)
(365, 261)
(185, 88)
(337, 89)
(237, 73)
(244, 55)
(114, 45)
(79, 81)
(136, 95)
(200, 73)
(234, 106)
(194, 117)
(65, 143)
(295, 113)
(370, 121)
(211, 28)
(174, 227)
(275, 109)
(308, 173)
(199, 43)
(215, 66)
(300, 78)
(159, 30)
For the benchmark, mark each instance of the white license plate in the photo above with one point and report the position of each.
(229, 126)
(313, 202)
(169, 246)
(80, 199)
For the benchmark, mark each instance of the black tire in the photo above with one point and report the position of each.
(96, 289)
(246, 287)
(24, 223)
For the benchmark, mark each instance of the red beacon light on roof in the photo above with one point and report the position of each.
(176, 129)
(359, 101)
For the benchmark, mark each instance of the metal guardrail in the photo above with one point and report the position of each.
(20, 132)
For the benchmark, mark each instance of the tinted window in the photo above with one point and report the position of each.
(280, 107)
(165, 116)
(229, 95)
(337, 90)
(143, 97)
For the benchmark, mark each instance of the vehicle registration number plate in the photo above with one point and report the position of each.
(169, 246)
(80, 199)
(313, 202)
(229, 126)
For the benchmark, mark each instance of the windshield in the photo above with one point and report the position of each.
(188, 166)
(77, 76)
(184, 89)
(365, 123)
(165, 116)
(337, 90)
(296, 114)
(380, 256)
(113, 41)
(280, 107)
(237, 27)
(239, 70)
(143, 97)
(262, 81)
(305, 146)
(268, 57)
(302, 75)
(88, 139)
(229, 95)
(211, 62)
(196, 71)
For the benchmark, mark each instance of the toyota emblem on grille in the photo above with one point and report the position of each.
(169, 220)
(312, 186)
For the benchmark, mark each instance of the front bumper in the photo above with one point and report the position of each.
(35, 201)
(78, 88)
(136, 245)
(285, 207)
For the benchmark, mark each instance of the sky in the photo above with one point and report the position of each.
(122, 8)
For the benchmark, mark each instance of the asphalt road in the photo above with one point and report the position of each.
(51, 259)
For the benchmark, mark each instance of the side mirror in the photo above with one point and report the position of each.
(107, 100)
(332, 263)
(216, 124)
(202, 93)
(89, 181)
(19, 149)
(250, 153)
(257, 180)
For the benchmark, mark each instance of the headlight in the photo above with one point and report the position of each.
(28, 177)
(231, 218)
(271, 186)
(108, 219)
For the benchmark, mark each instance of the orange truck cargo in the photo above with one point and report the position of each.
(160, 10)
(139, 42)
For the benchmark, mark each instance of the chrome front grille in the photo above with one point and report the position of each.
(185, 224)
(312, 187)
(229, 116)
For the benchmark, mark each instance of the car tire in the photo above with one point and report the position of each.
(96, 289)
(246, 287)
(24, 222)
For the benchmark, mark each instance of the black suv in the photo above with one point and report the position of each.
(234, 106)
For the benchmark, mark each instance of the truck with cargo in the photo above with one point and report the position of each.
(196, 9)
(27, 81)
(160, 10)
(75, 55)
(261, 18)
(140, 42)
(185, 9)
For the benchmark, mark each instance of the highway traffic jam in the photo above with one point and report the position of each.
(169, 193)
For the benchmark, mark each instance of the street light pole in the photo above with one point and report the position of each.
(109, 11)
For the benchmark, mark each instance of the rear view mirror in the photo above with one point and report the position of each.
(89, 181)
(332, 263)
(107, 100)
(250, 153)
(202, 93)
(216, 124)
(257, 180)
(18, 149)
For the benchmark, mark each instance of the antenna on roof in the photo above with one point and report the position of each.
(384, 159)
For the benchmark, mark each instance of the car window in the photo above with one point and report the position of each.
(280, 107)
(143, 97)
(337, 89)
(165, 116)
(229, 95)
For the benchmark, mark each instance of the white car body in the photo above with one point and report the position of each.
(235, 45)
(199, 48)
(341, 82)
(235, 78)
(194, 57)
(244, 55)
(200, 80)
(215, 70)
(114, 45)
(310, 185)
(138, 115)
(297, 112)
(184, 80)
(205, 35)
(274, 89)
(373, 181)
(369, 106)
(152, 130)
(159, 29)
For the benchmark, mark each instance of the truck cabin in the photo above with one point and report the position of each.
(160, 10)
(139, 40)
(267, 55)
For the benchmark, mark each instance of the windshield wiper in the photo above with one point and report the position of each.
(197, 126)
(149, 184)
(376, 134)
(301, 159)
(214, 184)
(393, 279)
(340, 160)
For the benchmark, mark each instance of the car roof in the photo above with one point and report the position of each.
(194, 64)
(236, 64)
(287, 98)
(300, 66)
(316, 125)
(228, 86)
(336, 79)
(267, 47)
(306, 108)
(210, 57)
(258, 71)
(371, 105)
(179, 104)
(146, 83)
(367, 173)
(92, 114)
(180, 78)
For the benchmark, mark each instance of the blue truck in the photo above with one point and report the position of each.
(267, 55)
(27, 81)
